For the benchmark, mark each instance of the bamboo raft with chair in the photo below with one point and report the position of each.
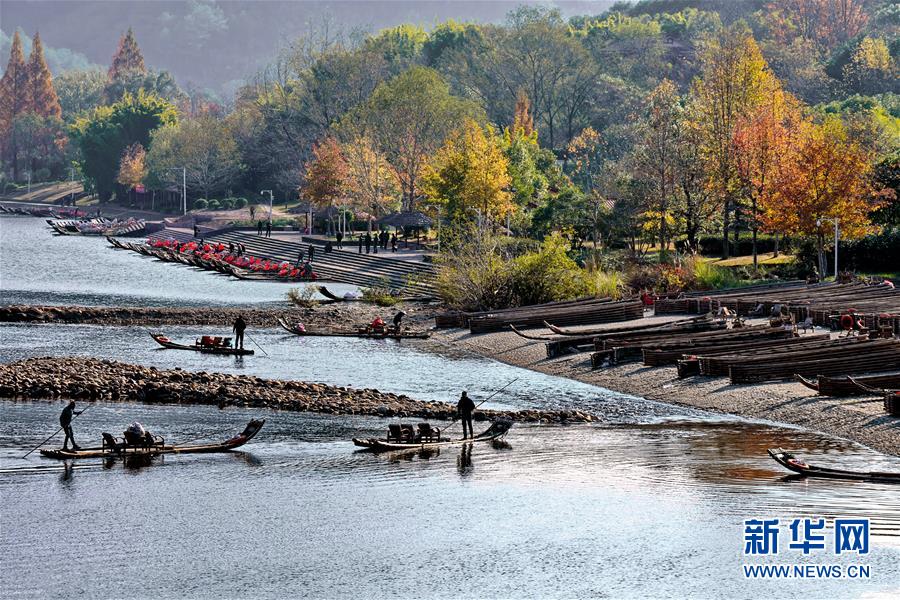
(120, 448)
(405, 437)
(601, 310)
(205, 344)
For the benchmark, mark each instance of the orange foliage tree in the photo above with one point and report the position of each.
(761, 142)
(44, 100)
(327, 174)
(825, 178)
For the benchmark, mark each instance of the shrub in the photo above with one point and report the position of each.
(240, 202)
(380, 295)
(548, 274)
(214, 204)
(304, 297)
(227, 203)
(200, 204)
(607, 284)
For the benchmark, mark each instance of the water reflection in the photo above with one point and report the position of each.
(464, 460)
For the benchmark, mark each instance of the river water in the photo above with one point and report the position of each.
(650, 502)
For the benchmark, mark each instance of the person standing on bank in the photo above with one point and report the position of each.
(268, 229)
(360, 244)
(464, 408)
(368, 242)
(339, 236)
(65, 420)
(238, 328)
(259, 226)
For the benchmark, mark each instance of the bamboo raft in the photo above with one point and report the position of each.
(123, 450)
(792, 463)
(388, 333)
(852, 385)
(100, 226)
(572, 342)
(585, 312)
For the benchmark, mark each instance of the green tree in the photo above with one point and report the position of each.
(79, 92)
(409, 117)
(204, 147)
(104, 134)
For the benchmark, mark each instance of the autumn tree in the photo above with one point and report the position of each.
(371, 182)
(825, 179)
(127, 59)
(468, 175)
(871, 69)
(522, 119)
(44, 100)
(14, 101)
(734, 79)
(828, 23)
(132, 166)
(327, 174)
(762, 142)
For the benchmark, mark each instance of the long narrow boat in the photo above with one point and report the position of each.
(242, 438)
(792, 463)
(497, 430)
(359, 333)
(864, 387)
(167, 343)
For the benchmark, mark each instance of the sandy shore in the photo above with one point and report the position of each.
(859, 419)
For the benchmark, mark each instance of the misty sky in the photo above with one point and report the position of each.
(218, 44)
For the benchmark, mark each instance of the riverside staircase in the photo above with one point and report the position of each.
(412, 277)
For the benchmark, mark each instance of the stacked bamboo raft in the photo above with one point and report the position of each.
(577, 312)
(665, 349)
(585, 340)
(876, 306)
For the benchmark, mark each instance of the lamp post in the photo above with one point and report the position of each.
(835, 220)
(183, 187)
(271, 197)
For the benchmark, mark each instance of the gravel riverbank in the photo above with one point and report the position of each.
(341, 314)
(859, 419)
(91, 379)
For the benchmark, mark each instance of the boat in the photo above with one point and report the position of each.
(792, 463)
(389, 333)
(496, 431)
(199, 346)
(127, 451)
(863, 387)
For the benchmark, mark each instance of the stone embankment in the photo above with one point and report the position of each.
(339, 315)
(91, 379)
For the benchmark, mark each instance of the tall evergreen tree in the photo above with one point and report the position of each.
(44, 100)
(14, 99)
(127, 59)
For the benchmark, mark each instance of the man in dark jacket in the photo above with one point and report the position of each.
(239, 326)
(65, 420)
(368, 242)
(464, 408)
(339, 236)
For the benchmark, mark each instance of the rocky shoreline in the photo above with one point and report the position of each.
(91, 379)
(338, 314)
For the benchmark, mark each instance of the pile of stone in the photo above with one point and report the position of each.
(91, 379)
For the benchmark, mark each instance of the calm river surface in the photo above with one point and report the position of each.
(648, 503)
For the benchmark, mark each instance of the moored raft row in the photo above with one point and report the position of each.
(849, 385)
(665, 349)
(571, 341)
(98, 226)
(877, 305)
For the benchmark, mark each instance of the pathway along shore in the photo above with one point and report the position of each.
(859, 419)
(91, 379)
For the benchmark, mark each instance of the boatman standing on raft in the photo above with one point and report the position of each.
(239, 326)
(65, 420)
(465, 407)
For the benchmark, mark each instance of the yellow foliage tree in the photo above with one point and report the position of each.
(469, 175)
(371, 182)
(734, 79)
(133, 166)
